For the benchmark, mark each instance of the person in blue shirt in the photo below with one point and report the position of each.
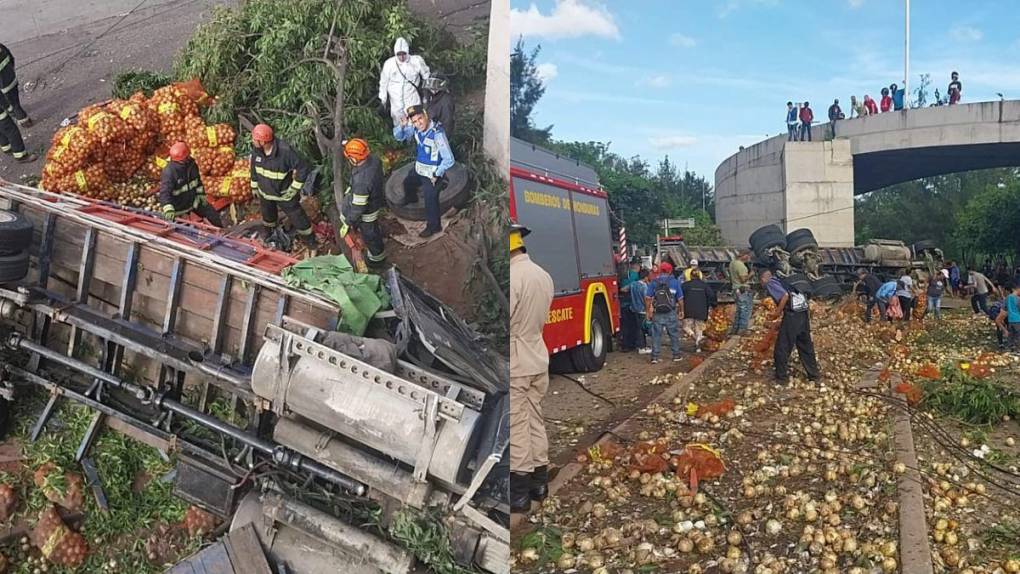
(794, 329)
(627, 332)
(1012, 308)
(661, 304)
(433, 158)
(897, 97)
(792, 119)
(886, 292)
(637, 307)
(996, 312)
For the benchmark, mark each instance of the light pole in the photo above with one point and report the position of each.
(906, 54)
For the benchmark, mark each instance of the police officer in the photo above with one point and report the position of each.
(181, 190)
(433, 159)
(278, 175)
(439, 104)
(364, 198)
(531, 293)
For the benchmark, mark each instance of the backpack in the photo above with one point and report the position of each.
(663, 300)
(798, 300)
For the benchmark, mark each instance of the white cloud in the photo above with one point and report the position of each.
(682, 41)
(855, 4)
(547, 72)
(656, 81)
(964, 33)
(672, 142)
(569, 19)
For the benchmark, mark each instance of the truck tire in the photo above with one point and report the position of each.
(561, 363)
(924, 245)
(455, 194)
(590, 357)
(15, 232)
(826, 287)
(800, 282)
(765, 238)
(13, 267)
(800, 239)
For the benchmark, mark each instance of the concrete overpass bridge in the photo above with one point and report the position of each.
(813, 184)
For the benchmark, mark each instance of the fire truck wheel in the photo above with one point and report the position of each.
(590, 358)
(15, 232)
(455, 194)
(13, 267)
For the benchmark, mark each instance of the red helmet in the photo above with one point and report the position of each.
(262, 133)
(179, 151)
(356, 149)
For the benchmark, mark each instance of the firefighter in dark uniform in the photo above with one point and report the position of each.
(181, 190)
(278, 175)
(11, 113)
(439, 104)
(364, 199)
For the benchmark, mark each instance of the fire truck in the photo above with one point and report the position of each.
(562, 202)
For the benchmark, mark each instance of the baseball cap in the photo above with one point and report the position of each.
(694, 262)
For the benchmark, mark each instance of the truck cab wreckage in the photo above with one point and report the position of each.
(323, 425)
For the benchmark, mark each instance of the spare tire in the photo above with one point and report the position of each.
(826, 287)
(15, 232)
(765, 238)
(455, 194)
(800, 239)
(13, 267)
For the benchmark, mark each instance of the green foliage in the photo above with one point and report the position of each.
(526, 89)
(975, 401)
(931, 208)
(125, 84)
(989, 222)
(255, 60)
(423, 533)
(639, 198)
(546, 541)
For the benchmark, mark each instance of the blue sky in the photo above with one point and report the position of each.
(697, 79)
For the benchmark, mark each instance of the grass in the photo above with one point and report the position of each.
(1002, 539)
(974, 401)
(425, 535)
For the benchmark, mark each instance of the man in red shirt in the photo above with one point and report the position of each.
(806, 116)
(871, 105)
(886, 104)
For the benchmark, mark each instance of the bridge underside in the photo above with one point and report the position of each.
(881, 169)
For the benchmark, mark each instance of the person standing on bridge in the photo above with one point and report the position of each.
(794, 329)
(897, 97)
(886, 104)
(531, 294)
(791, 122)
(740, 280)
(857, 108)
(835, 114)
(870, 105)
(955, 89)
(806, 117)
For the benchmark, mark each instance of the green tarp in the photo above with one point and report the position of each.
(358, 295)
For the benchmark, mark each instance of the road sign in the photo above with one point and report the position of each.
(668, 224)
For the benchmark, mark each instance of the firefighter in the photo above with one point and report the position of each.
(181, 190)
(433, 159)
(365, 199)
(439, 104)
(11, 102)
(278, 176)
(531, 293)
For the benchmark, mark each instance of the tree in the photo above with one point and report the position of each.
(989, 222)
(526, 89)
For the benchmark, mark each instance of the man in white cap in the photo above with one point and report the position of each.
(401, 81)
(691, 268)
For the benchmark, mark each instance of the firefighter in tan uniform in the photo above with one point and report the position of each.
(531, 293)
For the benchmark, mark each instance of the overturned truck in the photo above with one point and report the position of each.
(148, 322)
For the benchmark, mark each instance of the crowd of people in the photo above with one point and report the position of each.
(799, 116)
(997, 299)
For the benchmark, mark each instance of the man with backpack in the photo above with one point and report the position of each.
(661, 300)
(794, 328)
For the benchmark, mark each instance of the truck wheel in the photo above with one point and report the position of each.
(826, 287)
(765, 238)
(13, 267)
(590, 358)
(455, 194)
(800, 282)
(15, 232)
(800, 239)
(561, 363)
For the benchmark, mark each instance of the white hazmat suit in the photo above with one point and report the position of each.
(399, 78)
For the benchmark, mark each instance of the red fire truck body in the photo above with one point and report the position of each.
(562, 203)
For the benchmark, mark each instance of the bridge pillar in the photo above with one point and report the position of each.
(791, 184)
(819, 181)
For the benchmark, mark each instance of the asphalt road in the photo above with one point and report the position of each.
(68, 51)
